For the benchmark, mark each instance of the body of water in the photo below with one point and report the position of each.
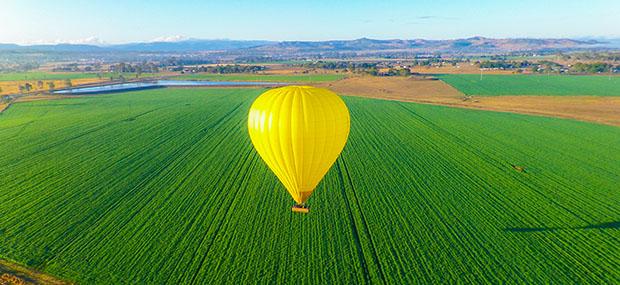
(120, 87)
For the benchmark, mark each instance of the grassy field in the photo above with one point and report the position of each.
(550, 85)
(38, 75)
(263, 77)
(163, 187)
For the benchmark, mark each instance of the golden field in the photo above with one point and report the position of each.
(12, 87)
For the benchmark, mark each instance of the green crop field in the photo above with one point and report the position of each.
(38, 75)
(546, 85)
(164, 187)
(263, 77)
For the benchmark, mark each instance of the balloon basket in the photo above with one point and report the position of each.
(300, 209)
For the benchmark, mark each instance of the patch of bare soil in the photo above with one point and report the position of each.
(603, 110)
(410, 89)
(14, 274)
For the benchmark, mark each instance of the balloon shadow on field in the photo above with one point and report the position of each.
(608, 225)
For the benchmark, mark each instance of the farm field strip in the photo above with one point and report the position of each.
(37, 75)
(535, 85)
(163, 186)
(263, 77)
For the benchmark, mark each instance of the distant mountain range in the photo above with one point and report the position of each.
(189, 45)
(465, 46)
(311, 48)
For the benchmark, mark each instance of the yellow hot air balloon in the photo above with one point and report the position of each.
(299, 131)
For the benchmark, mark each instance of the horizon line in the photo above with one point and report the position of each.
(100, 43)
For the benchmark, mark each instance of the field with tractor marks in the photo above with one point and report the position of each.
(164, 187)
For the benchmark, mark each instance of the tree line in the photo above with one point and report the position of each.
(225, 69)
(550, 66)
(28, 87)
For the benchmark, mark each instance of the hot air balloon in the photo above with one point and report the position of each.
(299, 131)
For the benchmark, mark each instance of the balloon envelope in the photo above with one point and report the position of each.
(299, 131)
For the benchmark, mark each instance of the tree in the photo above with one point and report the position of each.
(598, 67)
(68, 83)
(138, 71)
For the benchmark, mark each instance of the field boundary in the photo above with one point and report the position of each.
(4, 107)
(14, 272)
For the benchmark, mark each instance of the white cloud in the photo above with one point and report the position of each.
(177, 38)
(89, 41)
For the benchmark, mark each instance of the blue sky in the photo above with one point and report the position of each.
(32, 21)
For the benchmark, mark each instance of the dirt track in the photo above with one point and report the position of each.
(603, 110)
(29, 98)
(11, 273)
(40, 97)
